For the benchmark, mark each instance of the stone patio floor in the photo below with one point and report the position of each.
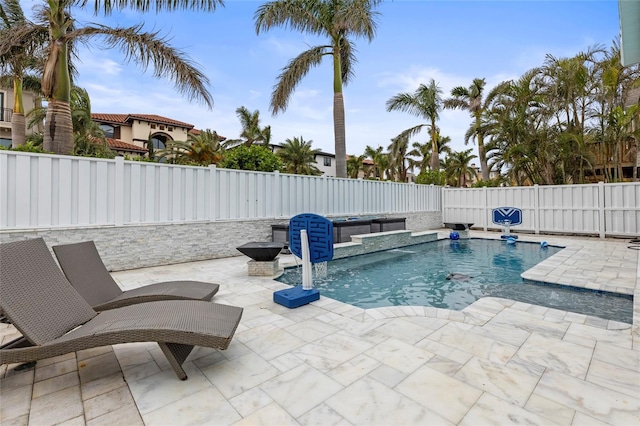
(329, 363)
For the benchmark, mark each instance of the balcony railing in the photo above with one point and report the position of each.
(5, 114)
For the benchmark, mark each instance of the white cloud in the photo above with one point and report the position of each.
(282, 47)
(410, 80)
(91, 64)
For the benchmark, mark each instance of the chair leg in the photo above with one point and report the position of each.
(176, 354)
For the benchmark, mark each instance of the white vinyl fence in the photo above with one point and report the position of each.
(602, 209)
(50, 191)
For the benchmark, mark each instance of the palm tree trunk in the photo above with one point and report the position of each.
(18, 130)
(339, 134)
(435, 155)
(482, 155)
(58, 132)
(18, 122)
(483, 159)
(56, 87)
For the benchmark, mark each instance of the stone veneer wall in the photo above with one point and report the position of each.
(138, 246)
(371, 243)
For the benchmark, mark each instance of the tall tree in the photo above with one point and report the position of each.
(144, 48)
(458, 167)
(614, 84)
(299, 157)
(354, 165)
(398, 157)
(426, 102)
(18, 62)
(422, 152)
(470, 99)
(337, 20)
(380, 160)
(251, 130)
(88, 138)
(202, 149)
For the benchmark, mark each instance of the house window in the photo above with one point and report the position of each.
(170, 129)
(159, 141)
(153, 126)
(108, 130)
(327, 161)
(161, 127)
(2, 113)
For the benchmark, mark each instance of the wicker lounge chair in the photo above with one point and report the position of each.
(82, 265)
(54, 318)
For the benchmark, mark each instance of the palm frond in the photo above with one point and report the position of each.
(147, 48)
(106, 7)
(291, 75)
(409, 133)
(10, 13)
(347, 60)
(357, 18)
(298, 15)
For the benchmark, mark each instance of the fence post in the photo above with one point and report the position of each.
(601, 211)
(277, 196)
(118, 202)
(536, 208)
(485, 210)
(213, 186)
(325, 194)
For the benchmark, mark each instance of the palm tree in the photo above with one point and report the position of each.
(398, 157)
(621, 130)
(88, 138)
(517, 125)
(355, 165)
(202, 149)
(338, 20)
(16, 60)
(470, 99)
(422, 152)
(426, 102)
(298, 157)
(251, 130)
(614, 85)
(144, 48)
(458, 168)
(380, 160)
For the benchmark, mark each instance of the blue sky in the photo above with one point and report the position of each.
(452, 42)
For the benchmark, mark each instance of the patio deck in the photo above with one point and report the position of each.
(329, 363)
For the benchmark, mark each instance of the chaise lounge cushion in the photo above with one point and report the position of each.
(83, 267)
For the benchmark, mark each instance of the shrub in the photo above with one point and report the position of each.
(431, 177)
(254, 157)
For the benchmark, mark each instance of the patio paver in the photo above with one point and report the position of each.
(497, 361)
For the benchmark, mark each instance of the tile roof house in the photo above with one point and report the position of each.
(129, 133)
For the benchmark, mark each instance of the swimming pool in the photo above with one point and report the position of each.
(417, 275)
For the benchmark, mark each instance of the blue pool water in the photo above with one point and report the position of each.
(417, 275)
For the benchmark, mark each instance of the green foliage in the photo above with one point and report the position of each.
(491, 183)
(35, 139)
(431, 177)
(96, 149)
(139, 158)
(298, 157)
(254, 157)
(30, 147)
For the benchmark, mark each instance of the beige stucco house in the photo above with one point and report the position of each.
(131, 132)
